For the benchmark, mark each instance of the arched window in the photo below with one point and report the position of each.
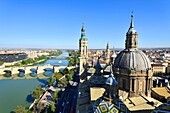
(133, 84)
(124, 83)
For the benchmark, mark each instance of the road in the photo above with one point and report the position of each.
(68, 100)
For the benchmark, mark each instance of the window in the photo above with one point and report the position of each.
(124, 83)
(148, 84)
(133, 83)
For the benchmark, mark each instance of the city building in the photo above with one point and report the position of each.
(12, 57)
(158, 68)
(126, 89)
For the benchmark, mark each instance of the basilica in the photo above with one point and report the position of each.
(122, 85)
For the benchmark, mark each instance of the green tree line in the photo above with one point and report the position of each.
(73, 58)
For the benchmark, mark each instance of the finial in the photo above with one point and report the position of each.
(99, 58)
(83, 30)
(107, 46)
(131, 23)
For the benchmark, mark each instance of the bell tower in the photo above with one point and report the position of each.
(83, 43)
(131, 36)
(83, 50)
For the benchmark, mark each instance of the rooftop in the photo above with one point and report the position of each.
(141, 103)
(162, 91)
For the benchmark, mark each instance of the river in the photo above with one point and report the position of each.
(15, 92)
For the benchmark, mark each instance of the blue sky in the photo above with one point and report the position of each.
(57, 23)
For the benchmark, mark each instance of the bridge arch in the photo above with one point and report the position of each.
(33, 72)
(21, 72)
(8, 73)
(48, 71)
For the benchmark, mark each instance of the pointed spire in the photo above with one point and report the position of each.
(131, 36)
(98, 67)
(83, 36)
(82, 29)
(131, 28)
(132, 22)
(107, 46)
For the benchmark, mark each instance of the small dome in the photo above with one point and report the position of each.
(111, 80)
(132, 59)
(113, 55)
(132, 31)
(98, 65)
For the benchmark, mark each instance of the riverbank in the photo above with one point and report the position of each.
(38, 62)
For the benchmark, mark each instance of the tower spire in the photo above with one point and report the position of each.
(82, 29)
(132, 21)
(107, 53)
(131, 36)
(83, 36)
(107, 46)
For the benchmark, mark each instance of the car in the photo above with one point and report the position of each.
(72, 110)
(63, 103)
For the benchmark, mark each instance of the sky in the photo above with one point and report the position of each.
(56, 24)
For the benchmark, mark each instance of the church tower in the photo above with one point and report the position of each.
(107, 53)
(83, 50)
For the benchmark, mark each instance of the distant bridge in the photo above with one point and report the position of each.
(57, 58)
(27, 70)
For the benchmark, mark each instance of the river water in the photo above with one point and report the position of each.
(60, 62)
(16, 92)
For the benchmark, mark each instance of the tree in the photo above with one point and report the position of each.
(71, 73)
(52, 106)
(1, 63)
(55, 95)
(70, 77)
(20, 109)
(63, 82)
(17, 64)
(73, 58)
(65, 71)
(52, 80)
(37, 92)
(55, 53)
(58, 75)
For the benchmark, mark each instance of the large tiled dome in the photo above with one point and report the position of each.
(132, 59)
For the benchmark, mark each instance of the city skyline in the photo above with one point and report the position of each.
(57, 24)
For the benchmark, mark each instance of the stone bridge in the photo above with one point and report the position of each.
(40, 69)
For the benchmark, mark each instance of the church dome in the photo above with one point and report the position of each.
(132, 59)
(111, 80)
